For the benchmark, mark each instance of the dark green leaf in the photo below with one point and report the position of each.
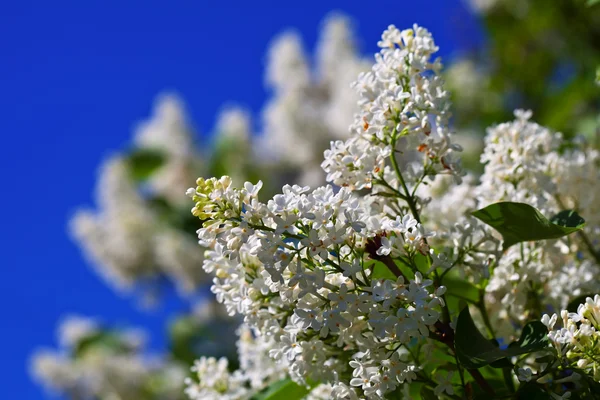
(427, 394)
(574, 304)
(519, 222)
(533, 337)
(567, 218)
(497, 384)
(284, 389)
(144, 162)
(531, 391)
(475, 351)
(501, 363)
(594, 386)
(547, 359)
(471, 346)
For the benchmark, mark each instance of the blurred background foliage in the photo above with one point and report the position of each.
(538, 54)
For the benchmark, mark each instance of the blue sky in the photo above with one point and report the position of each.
(76, 76)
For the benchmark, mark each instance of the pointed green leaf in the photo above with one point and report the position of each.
(475, 351)
(567, 218)
(502, 363)
(534, 336)
(520, 222)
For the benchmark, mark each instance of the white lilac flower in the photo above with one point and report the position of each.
(404, 109)
(309, 108)
(342, 282)
(325, 303)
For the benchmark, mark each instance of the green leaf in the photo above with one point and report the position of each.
(414, 392)
(567, 218)
(547, 359)
(501, 363)
(497, 384)
(144, 162)
(534, 336)
(422, 263)
(472, 347)
(475, 351)
(427, 394)
(519, 222)
(284, 389)
(531, 391)
(460, 287)
(380, 271)
(574, 304)
(592, 2)
(176, 217)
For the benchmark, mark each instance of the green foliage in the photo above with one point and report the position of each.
(284, 389)
(574, 304)
(460, 288)
(176, 217)
(105, 340)
(183, 332)
(416, 391)
(537, 57)
(499, 389)
(519, 222)
(475, 351)
(421, 263)
(190, 339)
(531, 391)
(427, 393)
(381, 271)
(568, 218)
(144, 162)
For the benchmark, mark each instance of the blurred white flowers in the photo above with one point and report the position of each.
(131, 242)
(310, 106)
(93, 363)
(343, 288)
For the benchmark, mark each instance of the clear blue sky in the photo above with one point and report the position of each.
(74, 78)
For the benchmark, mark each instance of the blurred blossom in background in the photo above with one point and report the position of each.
(114, 109)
